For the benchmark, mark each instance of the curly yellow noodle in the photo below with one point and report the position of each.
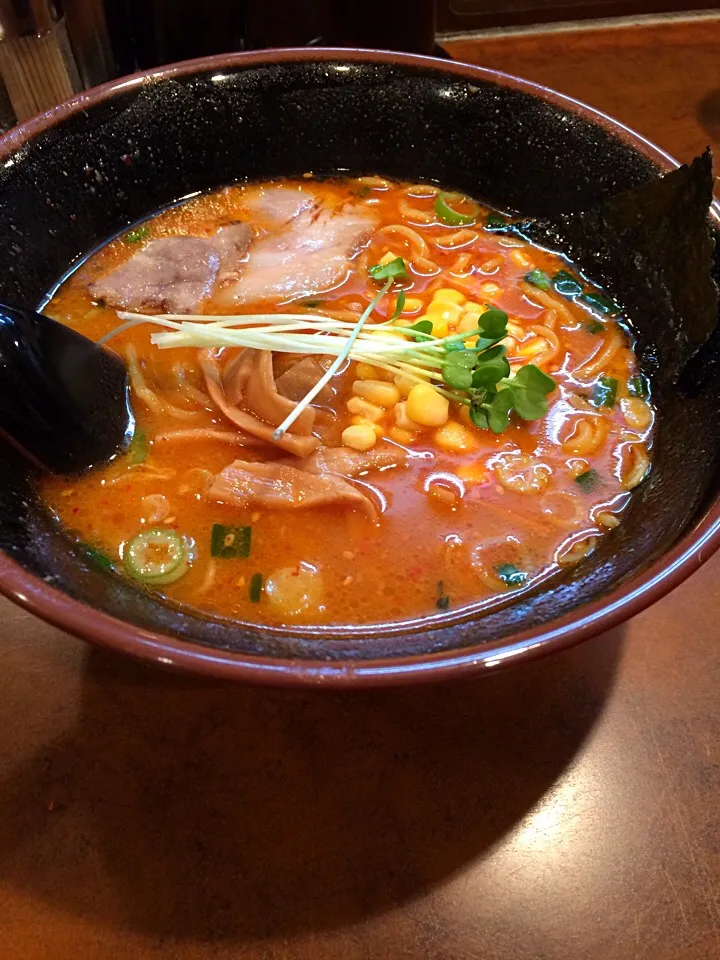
(521, 473)
(599, 361)
(462, 267)
(544, 299)
(424, 267)
(411, 213)
(459, 238)
(542, 357)
(491, 264)
(637, 413)
(573, 552)
(375, 183)
(563, 508)
(421, 190)
(418, 247)
(638, 465)
(143, 392)
(587, 436)
(550, 318)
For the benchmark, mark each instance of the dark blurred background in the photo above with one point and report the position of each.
(50, 49)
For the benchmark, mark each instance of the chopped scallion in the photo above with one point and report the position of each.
(446, 213)
(138, 450)
(638, 386)
(136, 235)
(587, 480)
(496, 221)
(566, 284)
(538, 278)
(605, 392)
(230, 543)
(593, 326)
(600, 303)
(510, 575)
(256, 587)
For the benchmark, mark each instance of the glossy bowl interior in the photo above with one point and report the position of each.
(74, 177)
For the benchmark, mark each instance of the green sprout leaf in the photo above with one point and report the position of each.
(566, 284)
(493, 323)
(396, 269)
(457, 369)
(539, 279)
(499, 412)
(605, 392)
(492, 367)
(399, 305)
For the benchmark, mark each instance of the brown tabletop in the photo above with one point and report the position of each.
(568, 810)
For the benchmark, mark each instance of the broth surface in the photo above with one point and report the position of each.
(469, 514)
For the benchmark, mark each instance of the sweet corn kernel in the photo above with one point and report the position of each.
(468, 322)
(376, 391)
(440, 325)
(362, 422)
(412, 305)
(454, 438)
(359, 436)
(403, 437)
(472, 473)
(402, 419)
(449, 295)
(366, 371)
(363, 408)
(439, 308)
(426, 406)
(472, 307)
(533, 348)
(489, 289)
(387, 258)
(400, 322)
(404, 384)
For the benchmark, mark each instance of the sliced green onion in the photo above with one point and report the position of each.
(496, 221)
(566, 284)
(594, 326)
(138, 450)
(256, 586)
(230, 543)
(601, 303)
(510, 575)
(443, 600)
(638, 386)
(98, 557)
(605, 392)
(156, 556)
(136, 235)
(538, 278)
(446, 213)
(587, 480)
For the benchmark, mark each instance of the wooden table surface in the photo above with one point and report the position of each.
(569, 809)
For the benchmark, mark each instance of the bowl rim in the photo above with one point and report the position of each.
(629, 598)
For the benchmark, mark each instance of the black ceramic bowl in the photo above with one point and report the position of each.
(77, 175)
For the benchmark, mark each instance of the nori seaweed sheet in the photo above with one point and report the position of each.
(652, 248)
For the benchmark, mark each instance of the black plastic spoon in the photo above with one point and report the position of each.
(63, 400)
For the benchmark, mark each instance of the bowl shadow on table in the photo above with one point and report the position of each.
(190, 809)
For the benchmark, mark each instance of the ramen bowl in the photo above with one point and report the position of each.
(80, 173)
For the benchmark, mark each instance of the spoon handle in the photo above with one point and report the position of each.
(63, 399)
